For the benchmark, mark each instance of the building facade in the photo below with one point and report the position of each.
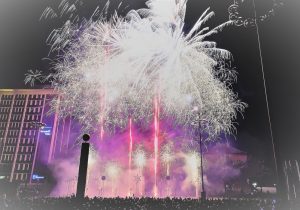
(28, 133)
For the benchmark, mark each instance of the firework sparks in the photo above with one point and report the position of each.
(139, 158)
(167, 156)
(149, 54)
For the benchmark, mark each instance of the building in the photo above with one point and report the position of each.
(25, 122)
(233, 159)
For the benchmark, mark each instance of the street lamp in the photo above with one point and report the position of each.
(168, 178)
(203, 193)
(103, 178)
(239, 20)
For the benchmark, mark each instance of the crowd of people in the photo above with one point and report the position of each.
(131, 203)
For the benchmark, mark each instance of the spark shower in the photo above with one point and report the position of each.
(142, 70)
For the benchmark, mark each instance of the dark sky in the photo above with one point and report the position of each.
(22, 47)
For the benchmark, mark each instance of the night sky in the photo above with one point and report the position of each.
(22, 47)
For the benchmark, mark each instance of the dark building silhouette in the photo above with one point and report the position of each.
(25, 122)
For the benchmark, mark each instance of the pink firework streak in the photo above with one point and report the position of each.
(130, 143)
(156, 133)
(130, 151)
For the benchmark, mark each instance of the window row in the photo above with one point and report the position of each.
(3, 97)
(10, 149)
(22, 149)
(3, 125)
(8, 157)
(24, 141)
(24, 157)
(14, 125)
(29, 132)
(23, 166)
(35, 103)
(18, 109)
(36, 96)
(12, 141)
(15, 133)
(26, 149)
(19, 96)
(3, 117)
(27, 141)
(19, 102)
(4, 109)
(16, 117)
(34, 109)
(20, 176)
(5, 102)
(33, 117)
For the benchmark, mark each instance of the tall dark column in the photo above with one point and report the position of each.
(83, 166)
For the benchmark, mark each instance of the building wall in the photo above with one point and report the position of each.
(20, 134)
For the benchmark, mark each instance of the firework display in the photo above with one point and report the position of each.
(111, 70)
(133, 83)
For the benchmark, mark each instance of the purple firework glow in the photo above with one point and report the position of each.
(110, 175)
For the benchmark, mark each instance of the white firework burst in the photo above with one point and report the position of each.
(110, 70)
(113, 170)
(167, 154)
(139, 157)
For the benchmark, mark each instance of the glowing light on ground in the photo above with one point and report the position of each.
(113, 171)
(192, 161)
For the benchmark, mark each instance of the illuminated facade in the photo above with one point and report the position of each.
(28, 133)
